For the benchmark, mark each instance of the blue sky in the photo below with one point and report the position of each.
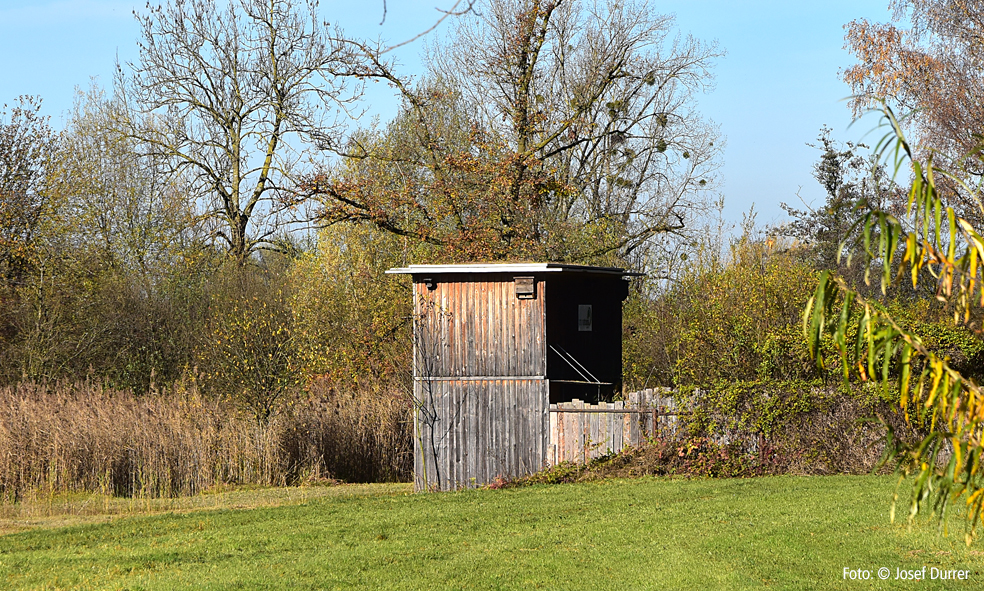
(775, 88)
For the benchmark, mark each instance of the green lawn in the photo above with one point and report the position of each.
(781, 533)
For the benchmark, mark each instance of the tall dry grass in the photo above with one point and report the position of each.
(84, 436)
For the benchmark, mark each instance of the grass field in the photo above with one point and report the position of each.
(778, 533)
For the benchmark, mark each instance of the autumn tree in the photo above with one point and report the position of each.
(248, 352)
(29, 209)
(131, 261)
(27, 148)
(238, 91)
(101, 255)
(544, 129)
(930, 68)
(351, 320)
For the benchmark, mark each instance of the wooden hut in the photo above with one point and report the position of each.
(494, 346)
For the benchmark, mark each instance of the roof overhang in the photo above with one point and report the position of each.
(511, 268)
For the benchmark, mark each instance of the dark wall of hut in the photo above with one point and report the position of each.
(584, 334)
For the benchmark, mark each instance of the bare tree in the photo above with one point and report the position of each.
(239, 92)
(540, 117)
(604, 92)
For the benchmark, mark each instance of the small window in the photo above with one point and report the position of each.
(525, 288)
(584, 318)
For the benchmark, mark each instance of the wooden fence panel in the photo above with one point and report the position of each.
(580, 432)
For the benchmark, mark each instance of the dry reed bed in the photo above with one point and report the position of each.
(84, 436)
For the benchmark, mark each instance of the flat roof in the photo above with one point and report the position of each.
(511, 268)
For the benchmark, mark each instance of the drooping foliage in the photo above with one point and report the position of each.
(932, 244)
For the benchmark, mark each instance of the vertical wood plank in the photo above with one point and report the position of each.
(521, 424)
(494, 433)
(418, 461)
(616, 428)
(447, 432)
(517, 432)
(515, 443)
(499, 309)
(609, 435)
(634, 438)
(473, 475)
(453, 429)
(562, 444)
(545, 397)
(509, 441)
(594, 435)
(579, 432)
(468, 367)
(578, 421)
(487, 320)
(483, 432)
(543, 441)
(461, 296)
(554, 436)
(464, 433)
(476, 332)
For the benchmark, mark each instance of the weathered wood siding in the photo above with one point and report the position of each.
(470, 431)
(479, 328)
(580, 435)
(480, 369)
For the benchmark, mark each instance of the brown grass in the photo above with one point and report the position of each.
(83, 436)
(61, 509)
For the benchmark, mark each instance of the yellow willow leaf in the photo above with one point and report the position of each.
(952, 223)
(975, 408)
(954, 401)
(975, 497)
(921, 386)
(942, 407)
(915, 258)
(908, 255)
(972, 235)
(906, 366)
(937, 369)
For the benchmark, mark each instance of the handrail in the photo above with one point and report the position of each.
(567, 357)
(621, 411)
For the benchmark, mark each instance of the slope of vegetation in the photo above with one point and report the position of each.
(785, 532)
